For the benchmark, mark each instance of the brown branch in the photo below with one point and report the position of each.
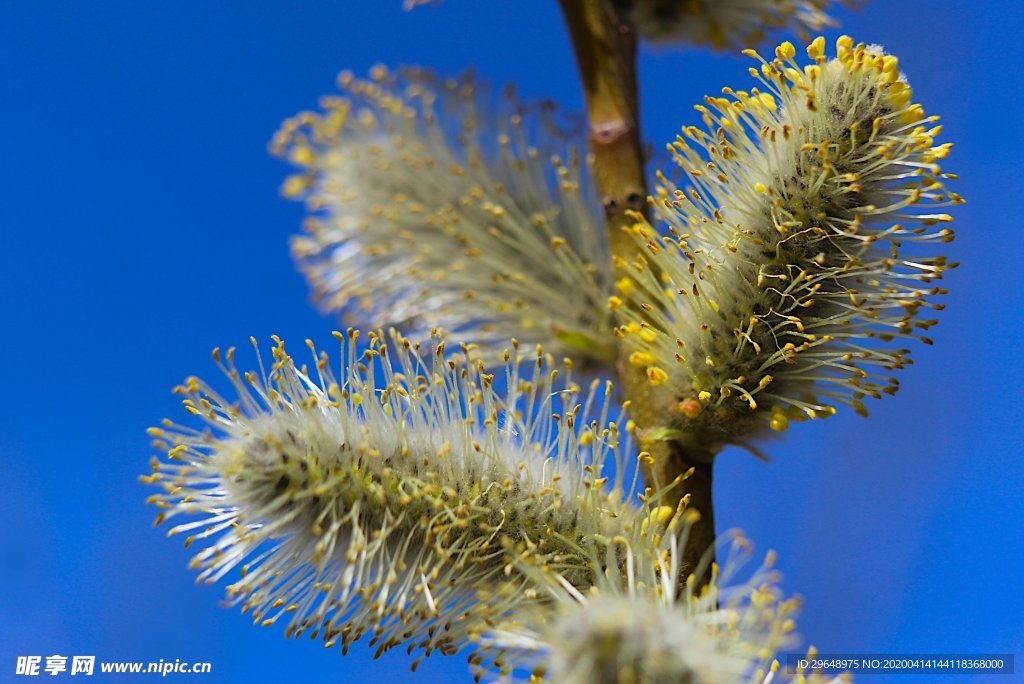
(606, 56)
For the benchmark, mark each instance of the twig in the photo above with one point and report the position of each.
(605, 49)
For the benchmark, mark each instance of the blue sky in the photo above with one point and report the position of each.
(142, 226)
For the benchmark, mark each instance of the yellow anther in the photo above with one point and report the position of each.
(656, 376)
(662, 515)
(816, 48)
(785, 51)
(899, 94)
(641, 359)
(625, 285)
(912, 114)
(690, 407)
(844, 48)
(779, 422)
(301, 155)
(294, 186)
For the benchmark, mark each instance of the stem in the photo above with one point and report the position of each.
(605, 50)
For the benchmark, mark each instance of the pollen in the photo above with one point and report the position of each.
(656, 376)
(785, 51)
(690, 407)
(816, 48)
(779, 422)
(641, 359)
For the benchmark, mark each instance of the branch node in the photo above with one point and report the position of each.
(607, 132)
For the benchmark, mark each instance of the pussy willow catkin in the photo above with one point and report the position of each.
(644, 623)
(797, 262)
(724, 24)
(435, 203)
(381, 501)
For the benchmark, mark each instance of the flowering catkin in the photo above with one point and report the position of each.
(436, 203)
(724, 24)
(644, 623)
(791, 271)
(382, 503)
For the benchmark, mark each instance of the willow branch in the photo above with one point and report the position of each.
(605, 50)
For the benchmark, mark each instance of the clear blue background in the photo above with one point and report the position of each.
(141, 226)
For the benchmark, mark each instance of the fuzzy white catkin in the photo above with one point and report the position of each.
(382, 503)
(438, 203)
(724, 24)
(645, 623)
(796, 263)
